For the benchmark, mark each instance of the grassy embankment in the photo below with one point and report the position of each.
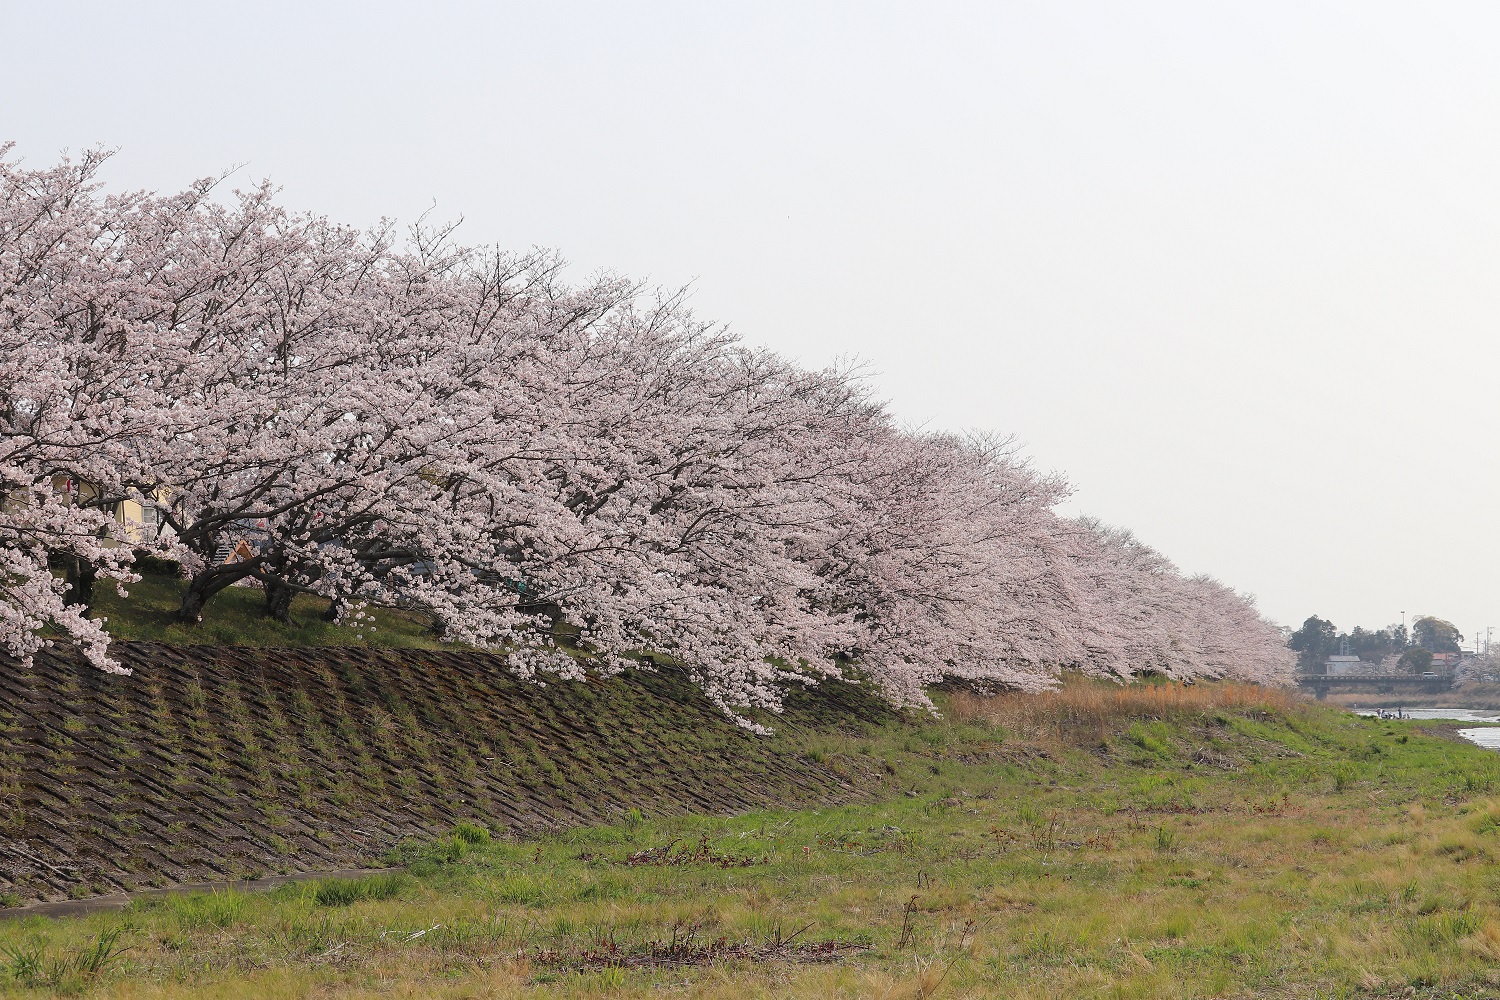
(234, 618)
(1150, 842)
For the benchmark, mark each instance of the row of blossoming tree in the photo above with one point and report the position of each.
(430, 426)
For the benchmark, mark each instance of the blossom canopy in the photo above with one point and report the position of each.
(578, 476)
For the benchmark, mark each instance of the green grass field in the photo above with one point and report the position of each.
(234, 618)
(1154, 842)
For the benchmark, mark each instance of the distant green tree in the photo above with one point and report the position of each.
(1372, 647)
(1415, 660)
(1436, 635)
(1313, 643)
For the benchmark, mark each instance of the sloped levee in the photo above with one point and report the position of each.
(229, 762)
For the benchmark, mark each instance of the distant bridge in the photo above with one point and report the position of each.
(1321, 684)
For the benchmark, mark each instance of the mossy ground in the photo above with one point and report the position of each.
(1214, 842)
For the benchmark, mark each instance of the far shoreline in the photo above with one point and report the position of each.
(1475, 697)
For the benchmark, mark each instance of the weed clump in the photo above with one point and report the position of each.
(203, 910)
(471, 833)
(1442, 929)
(33, 967)
(347, 891)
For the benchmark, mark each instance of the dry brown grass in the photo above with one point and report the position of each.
(1086, 710)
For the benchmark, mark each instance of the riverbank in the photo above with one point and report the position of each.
(1477, 697)
(1154, 842)
(222, 763)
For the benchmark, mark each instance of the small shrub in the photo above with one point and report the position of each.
(1166, 840)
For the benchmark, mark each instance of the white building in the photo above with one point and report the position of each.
(1336, 665)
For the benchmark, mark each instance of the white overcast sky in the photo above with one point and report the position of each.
(1231, 268)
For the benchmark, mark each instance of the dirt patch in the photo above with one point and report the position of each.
(677, 954)
(674, 854)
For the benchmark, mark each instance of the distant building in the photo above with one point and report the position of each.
(136, 523)
(1336, 665)
(1443, 662)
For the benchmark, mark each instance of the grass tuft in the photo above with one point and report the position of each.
(471, 833)
(347, 891)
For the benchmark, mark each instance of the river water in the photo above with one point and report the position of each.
(1485, 737)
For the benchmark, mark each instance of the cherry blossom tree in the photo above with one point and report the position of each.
(1140, 614)
(71, 400)
(581, 477)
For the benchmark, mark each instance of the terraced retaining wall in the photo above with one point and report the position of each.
(230, 762)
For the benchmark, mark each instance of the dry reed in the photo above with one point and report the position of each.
(1083, 710)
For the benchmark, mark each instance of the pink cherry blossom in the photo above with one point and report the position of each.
(576, 476)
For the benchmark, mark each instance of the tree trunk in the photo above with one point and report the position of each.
(279, 601)
(80, 575)
(193, 601)
(205, 585)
